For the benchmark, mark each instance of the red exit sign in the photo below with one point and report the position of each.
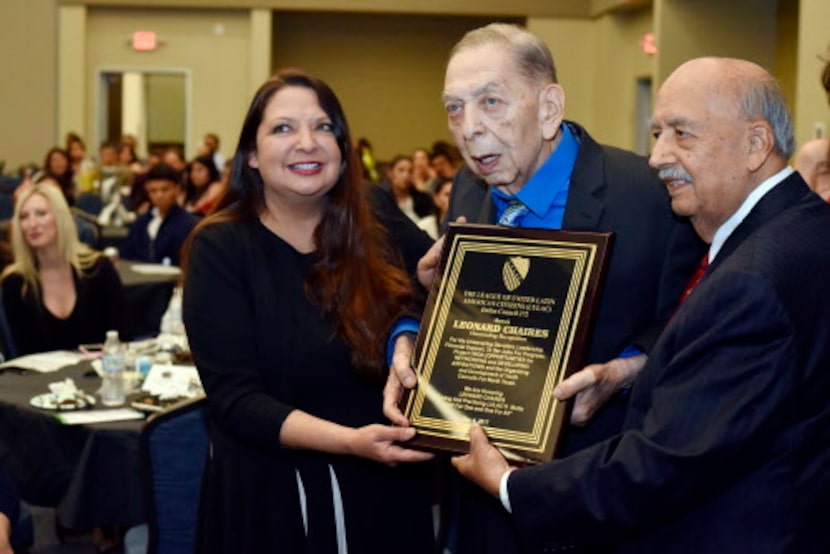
(144, 41)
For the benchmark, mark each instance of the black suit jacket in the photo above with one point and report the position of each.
(654, 255)
(726, 447)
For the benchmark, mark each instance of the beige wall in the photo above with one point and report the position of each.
(387, 71)
(476, 8)
(688, 29)
(28, 98)
(813, 44)
(786, 49)
(260, 47)
(211, 47)
(598, 63)
(786, 37)
(620, 63)
(52, 89)
(166, 96)
(72, 79)
(573, 45)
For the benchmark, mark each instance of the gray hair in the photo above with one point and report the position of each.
(764, 100)
(530, 52)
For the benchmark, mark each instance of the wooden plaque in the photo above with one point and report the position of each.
(507, 319)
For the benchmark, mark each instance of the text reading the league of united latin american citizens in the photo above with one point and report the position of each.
(508, 305)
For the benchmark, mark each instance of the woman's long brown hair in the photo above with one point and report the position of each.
(355, 278)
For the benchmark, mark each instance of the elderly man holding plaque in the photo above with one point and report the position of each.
(534, 169)
(725, 444)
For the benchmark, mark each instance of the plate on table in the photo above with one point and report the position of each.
(51, 401)
(151, 403)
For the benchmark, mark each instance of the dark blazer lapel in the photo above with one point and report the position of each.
(470, 197)
(585, 205)
(782, 196)
(488, 209)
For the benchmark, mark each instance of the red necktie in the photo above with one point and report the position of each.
(695, 279)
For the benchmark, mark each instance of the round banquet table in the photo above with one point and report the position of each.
(89, 473)
(146, 296)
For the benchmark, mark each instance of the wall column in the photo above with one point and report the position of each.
(811, 113)
(72, 78)
(261, 46)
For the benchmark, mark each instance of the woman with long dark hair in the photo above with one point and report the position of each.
(57, 165)
(204, 185)
(291, 288)
(414, 203)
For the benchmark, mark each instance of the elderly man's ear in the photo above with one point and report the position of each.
(551, 110)
(761, 144)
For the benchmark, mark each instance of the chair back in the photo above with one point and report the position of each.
(89, 231)
(89, 202)
(6, 206)
(174, 450)
(7, 346)
(8, 184)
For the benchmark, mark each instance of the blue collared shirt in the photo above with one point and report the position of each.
(546, 192)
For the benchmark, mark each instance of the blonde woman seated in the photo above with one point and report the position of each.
(58, 293)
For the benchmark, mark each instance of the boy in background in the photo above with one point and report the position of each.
(158, 235)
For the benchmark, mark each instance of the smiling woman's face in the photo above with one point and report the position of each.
(296, 150)
(37, 222)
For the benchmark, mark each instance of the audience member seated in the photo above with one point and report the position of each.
(88, 231)
(128, 158)
(139, 202)
(210, 147)
(368, 165)
(115, 182)
(813, 159)
(204, 185)
(128, 139)
(444, 160)
(174, 158)
(76, 148)
(412, 202)
(441, 197)
(157, 236)
(83, 166)
(58, 166)
(422, 172)
(434, 225)
(58, 293)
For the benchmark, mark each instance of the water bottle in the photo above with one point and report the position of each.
(176, 321)
(112, 391)
(171, 321)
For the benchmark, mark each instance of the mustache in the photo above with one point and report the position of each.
(673, 172)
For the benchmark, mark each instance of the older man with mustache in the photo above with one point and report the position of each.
(726, 445)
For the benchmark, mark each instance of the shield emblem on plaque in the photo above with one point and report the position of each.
(514, 272)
